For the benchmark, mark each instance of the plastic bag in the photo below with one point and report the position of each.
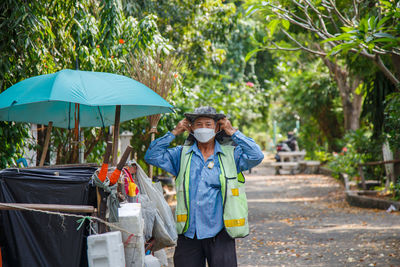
(149, 214)
(164, 231)
(161, 255)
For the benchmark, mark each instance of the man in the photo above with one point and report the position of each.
(211, 203)
(292, 142)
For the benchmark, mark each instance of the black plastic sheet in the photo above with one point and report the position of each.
(37, 239)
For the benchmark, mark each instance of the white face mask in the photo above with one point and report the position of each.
(203, 135)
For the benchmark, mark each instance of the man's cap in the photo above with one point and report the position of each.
(207, 111)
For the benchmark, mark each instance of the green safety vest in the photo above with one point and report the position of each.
(234, 200)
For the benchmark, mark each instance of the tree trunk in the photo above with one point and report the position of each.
(41, 134)
(351, 101)
(396, 64)
(330, 126)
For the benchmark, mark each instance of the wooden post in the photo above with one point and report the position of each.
(153, 136)
(101, 209)
(360, 170)
(116, 134)
(46, 143)
(124, 158)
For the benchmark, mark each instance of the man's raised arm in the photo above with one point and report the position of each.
(161, 156)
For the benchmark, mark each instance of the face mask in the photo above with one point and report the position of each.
(203, 135)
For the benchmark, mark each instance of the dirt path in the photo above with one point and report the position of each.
(303, 220)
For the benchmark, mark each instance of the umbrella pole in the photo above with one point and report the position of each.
(46, 143)
(81, 145)
(116, 134)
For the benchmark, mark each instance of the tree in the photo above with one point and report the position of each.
(213, 37)
(317, 99)
(373, 35)
(46, 36)
(321, 20)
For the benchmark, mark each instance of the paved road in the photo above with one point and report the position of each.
(303, 220)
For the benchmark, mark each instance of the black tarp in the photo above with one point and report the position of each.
(36, 239)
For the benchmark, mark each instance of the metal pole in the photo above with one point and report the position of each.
(274, 137)
(81, 138)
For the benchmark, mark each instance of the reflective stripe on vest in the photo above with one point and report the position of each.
(232, 190)
(182, 210)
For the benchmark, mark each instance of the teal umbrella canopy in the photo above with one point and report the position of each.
(52, 97)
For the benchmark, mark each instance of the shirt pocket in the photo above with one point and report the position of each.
(212, 179)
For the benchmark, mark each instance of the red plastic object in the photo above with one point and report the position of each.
(102, 173)
(115, 176)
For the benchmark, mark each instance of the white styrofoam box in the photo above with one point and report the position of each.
(106, 250)
(151, 261)
(130, 219)
(134, 252)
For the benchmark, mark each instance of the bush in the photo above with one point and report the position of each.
(359, 147)
(322, 156)
(396, 190)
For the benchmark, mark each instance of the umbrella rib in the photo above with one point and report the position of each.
(101, 117)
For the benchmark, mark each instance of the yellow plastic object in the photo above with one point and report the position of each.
(131, 188)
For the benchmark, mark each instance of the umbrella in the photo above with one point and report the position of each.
(94, 98)
(51, 97)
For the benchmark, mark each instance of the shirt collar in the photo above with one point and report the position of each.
(194, 148)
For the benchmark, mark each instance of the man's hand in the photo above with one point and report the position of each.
(226, 125)
(183, 125)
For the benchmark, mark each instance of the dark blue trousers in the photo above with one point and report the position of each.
(219, 251)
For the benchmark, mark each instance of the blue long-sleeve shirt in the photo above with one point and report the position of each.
(206, 211)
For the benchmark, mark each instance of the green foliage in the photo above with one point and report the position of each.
(46, 36)
(358, 147)
(317, 99)
(345, 162)
(12, 136)
(377, 88)
(378, 28)
(392, 120)
(395, 188)
(322, 156)
(213, 37)
(306, 92)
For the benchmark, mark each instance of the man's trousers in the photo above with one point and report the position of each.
(219, 251)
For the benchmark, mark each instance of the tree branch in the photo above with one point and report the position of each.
(332, 20)
(378, 61)
(93, 143)
(356, 13)
(308, 25)
(287, 12)
(303, 47)
(277, 47)
(340, 16)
